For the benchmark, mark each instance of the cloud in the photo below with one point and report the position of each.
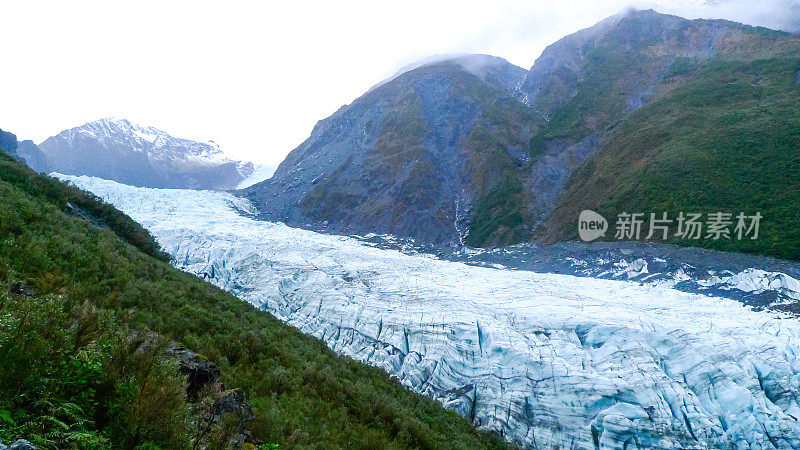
(777, 14)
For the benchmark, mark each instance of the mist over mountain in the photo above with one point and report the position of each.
(471, 149)
(119, 150)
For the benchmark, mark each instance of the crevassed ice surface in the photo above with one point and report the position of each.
(544, 359)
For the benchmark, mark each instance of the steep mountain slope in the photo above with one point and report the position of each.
(8, 142)
(32, 155)
(722, 133)
(418, 156)
(260, 173)
(82, 290)
(585, 83)
(588, 80)
(116, 149)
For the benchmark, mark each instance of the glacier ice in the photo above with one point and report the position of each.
(544, 359)
(260, 173)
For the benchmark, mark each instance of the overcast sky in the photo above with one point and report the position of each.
(256, 76)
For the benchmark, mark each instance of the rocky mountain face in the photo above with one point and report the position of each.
(8, 142)
(414, 156)
(116, 149)
(30, 153)
(475, 151)
(25, 151)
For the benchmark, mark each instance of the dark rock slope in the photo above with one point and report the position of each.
(414, 156)
(8, 142)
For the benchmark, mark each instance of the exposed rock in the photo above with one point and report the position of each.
(550, 172)
(469, 150)
(20, 444)
(413, 156)
(8, 142)
(76, 211)
(232, 403)
(644, 42)
(220, 413)
(198, 370)
(22, 288)
(202, 378)
(33, 156)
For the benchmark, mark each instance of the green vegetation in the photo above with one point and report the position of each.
(76, 300)
(497, 217)
(72, 379)
(602, 94)
(681, 66)
(398, 146)
(728, 140)
(406, 174)
(715, 135)
(78, 202)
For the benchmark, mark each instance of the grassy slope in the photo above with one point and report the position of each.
(496, 177)
(636, 53)
(727, 140)
(303, 394)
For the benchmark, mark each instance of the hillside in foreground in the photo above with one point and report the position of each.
(87, 303)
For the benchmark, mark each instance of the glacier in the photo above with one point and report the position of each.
(544, 359)
(260, 173)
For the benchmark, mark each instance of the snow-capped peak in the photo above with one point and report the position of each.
(118, 149)
(154, 142)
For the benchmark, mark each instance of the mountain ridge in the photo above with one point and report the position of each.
(573, 98)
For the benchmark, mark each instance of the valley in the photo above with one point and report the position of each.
(543, 359)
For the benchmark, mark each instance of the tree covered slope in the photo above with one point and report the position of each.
(81, 283)
(725, 138)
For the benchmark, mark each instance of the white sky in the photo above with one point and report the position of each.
(256, 76)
